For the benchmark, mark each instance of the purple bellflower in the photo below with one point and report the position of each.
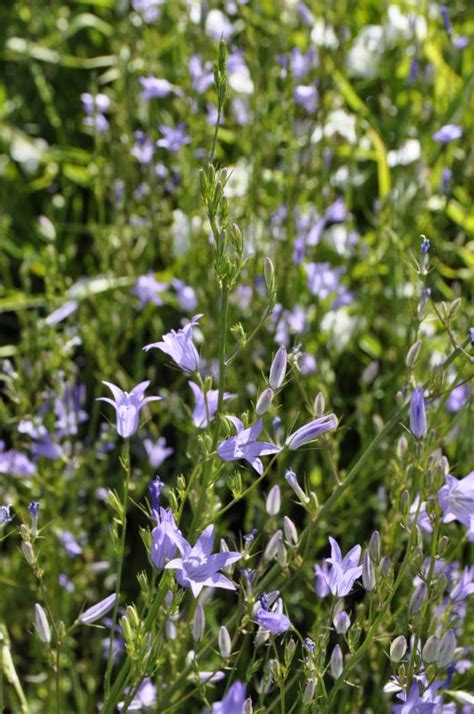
(180, 347)
(155, 88)
(155, 488)
(311, 431)
(5, 516)
(199, 412)
(157, 451)
(15, 463)
(185, 295)
(233, 702)
(275, 622)
(418, 423)
(127, 406)
(143, 148)
(456, 498)
(173, 138)
(447, 133)
(145, 698)
(97, 611)
(166, 538)
(343, 572)
(148, 289)
(198, 567)
(245, 445)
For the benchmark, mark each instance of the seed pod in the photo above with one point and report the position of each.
(374, 546)
(28, 552)
(269, 274)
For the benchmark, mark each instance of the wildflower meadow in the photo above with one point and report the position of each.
(236, 356)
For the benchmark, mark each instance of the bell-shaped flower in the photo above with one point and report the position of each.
(245, 445)
(198, 567)
(180, 347)
(456, 498)
(127, 406)
(200, 413)
(233, 702)
(343, 572)
(166, 538)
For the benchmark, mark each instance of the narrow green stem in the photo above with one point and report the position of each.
(121, 555)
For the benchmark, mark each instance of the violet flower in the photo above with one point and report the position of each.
(157, 451)
(155, 87)
(180, 347)
(143, 149)
(145, 698)
(148, 289)
(166, 538)
(306, 96)
(5, 516)
(127, 406)
(343, 572)
(275, 622)
(245, 445)
(198, 568)
(418, 423)
(199, 412)
(202, 74)
(456, 498)
(155, 488)
(233, 702)
(311, 431)
(173, 138)
(185, 295)
(15, 463)
(448, 133)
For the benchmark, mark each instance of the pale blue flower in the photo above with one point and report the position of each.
(127, 406)
(199, 412)
(245, 445)
(180, 346)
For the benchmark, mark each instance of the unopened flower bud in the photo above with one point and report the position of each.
(289, 529)
(368, 572)
(417, 599)
(225, 643)
(273, 502)
(292, 481)
(271, 550)
(28, 552)
(319, 404)
(412, 354)
(264, 402)
(374, 546)
(405, 502)
(170, 629)
(398, 648)
(341, 622)
(385, 566)
(278, 368)
(42, 625)
(199, 623)
(248, 706)
(447, 647)
(269, 274)
(442, 545)
(402, 446)
(308, 694)
(289, 651)
(336, 662)
(430, 650)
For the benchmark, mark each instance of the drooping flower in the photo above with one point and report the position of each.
(157, 451)
(456, 498)
(199, 412)
(448, 133)
(180, 346)
(127, 406)
(273, 621)
(340, 577)
(198, 567)
(245, 445)
(311, 431)
(418, 423)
